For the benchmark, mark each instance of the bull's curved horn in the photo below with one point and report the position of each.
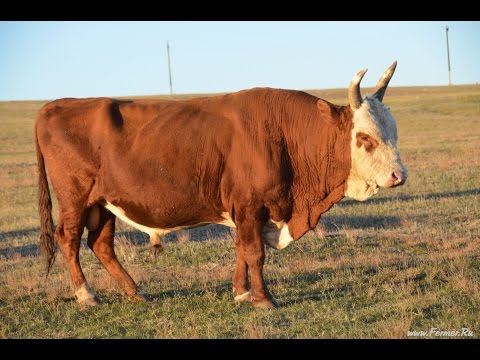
(354, 96)
(383, 82)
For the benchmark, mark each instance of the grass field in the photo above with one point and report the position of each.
(406, 260)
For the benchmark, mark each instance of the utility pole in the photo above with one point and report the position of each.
(170, 69)
(448, 55)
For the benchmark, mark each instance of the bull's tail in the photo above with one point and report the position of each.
(47, 242)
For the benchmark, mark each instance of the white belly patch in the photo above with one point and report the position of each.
(275, 233)
(120, 213)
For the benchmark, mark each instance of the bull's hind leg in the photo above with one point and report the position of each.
(68, 234)
(100, 241)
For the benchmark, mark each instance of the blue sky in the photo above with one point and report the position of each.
(48, 60)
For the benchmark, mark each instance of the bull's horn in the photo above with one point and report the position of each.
(383, 82)
(354, 95)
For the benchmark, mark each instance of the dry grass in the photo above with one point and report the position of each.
(408, 259)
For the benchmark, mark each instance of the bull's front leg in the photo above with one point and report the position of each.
(240, 279)
(251, 253)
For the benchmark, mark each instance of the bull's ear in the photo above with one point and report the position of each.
(328, 111)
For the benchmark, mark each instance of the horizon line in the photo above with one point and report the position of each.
(167, 95)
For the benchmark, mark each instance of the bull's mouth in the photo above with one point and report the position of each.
(397, 178)
(394, 183)
(372, 186)
(361, 189)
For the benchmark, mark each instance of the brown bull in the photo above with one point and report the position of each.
(266, 161)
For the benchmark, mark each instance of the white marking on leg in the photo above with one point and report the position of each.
(85, 295)
(243, 297)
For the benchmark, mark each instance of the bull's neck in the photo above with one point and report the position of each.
(318, 140)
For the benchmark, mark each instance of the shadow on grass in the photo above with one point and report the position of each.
(308, 280)
(225, 288)
(22, 251)
(208, 232)
(381, 200)
(219, 289)
(203, 233)
(334, 223)
(133, 236)
(300, 281)
(14, 234)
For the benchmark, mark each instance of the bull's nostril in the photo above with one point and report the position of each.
(398, 179)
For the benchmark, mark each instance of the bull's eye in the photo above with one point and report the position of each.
(368, 142)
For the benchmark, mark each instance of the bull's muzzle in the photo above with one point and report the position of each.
(397, 178)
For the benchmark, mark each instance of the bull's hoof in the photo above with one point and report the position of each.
(245, 297)
(88, 302)
(156, 249)
(86, 297)
(138, 297)
(265, 304)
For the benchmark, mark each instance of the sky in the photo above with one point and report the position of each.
(49, 60)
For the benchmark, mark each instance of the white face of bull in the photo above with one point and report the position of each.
(375, 157)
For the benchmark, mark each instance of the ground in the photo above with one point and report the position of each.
(406, 260)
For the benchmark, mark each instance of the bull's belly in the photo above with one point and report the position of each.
(120, 213)
(275, 233)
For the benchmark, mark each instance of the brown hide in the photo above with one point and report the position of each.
(178, 163)
(257, 154)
